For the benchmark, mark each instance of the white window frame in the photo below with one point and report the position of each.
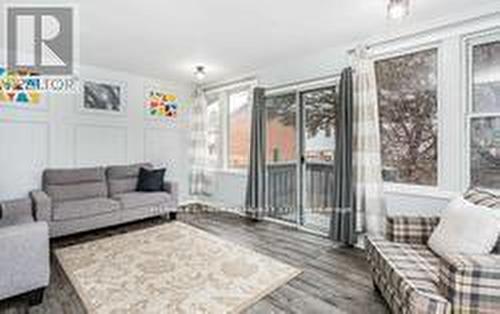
(223, 94)
(417, 189)
(468, 44)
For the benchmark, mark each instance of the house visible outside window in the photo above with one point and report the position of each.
(239, 129)
(228, 127)
(407, 97)
(484, 115)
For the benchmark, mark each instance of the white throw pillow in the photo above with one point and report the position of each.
(465, 228)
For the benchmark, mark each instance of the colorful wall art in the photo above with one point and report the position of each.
(21, 89)
(161, 104)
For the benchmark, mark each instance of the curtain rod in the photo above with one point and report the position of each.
(231, 84)
(303, 83)
(424, 31)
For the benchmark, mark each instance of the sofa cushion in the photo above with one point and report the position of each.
(84, 208)
(16, 212)
(150, 180)
(123, 179)
(141, 199)
(73, 175)
(458, 232)
(407, 275)
(74, 184)
(71, 192)
(485, 198)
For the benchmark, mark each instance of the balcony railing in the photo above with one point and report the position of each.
(282, 185)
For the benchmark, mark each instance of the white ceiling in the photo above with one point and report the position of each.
(166, 39)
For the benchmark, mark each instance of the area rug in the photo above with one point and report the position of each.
(172, 268)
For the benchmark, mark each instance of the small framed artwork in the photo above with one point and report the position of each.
(21, 90)
(161, 104)
(105, 97)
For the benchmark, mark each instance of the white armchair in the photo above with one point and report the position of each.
(24, 252)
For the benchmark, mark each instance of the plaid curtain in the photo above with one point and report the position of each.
(367, 170)
(199, 179)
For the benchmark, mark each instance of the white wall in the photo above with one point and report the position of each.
(61, 135)
(448, 36)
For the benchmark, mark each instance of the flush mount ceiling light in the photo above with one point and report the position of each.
(398, 9)
(200, 73)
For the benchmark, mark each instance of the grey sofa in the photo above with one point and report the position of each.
(82, 199)
(24, 252)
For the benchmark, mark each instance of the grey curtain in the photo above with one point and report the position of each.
(343, 220)
(255, 200)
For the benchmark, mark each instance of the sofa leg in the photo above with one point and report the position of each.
(376, 288)
(36, 297)
(172, 215)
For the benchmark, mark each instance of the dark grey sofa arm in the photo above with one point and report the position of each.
(42, 205)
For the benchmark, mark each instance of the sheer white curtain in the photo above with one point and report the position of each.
(200, 178)
(367, 170)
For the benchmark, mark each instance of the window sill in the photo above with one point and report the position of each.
(417, 190)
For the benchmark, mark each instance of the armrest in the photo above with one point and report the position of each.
(42, 205)
(408, 229)
(471, 283)
(172, 188)
(24, 256)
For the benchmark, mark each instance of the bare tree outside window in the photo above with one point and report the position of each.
(281, 128)
(407, 97)
(485, 116)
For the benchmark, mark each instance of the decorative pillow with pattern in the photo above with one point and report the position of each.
(482, 197)
(488, 199)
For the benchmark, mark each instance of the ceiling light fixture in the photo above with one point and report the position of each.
(200, 73)
(398, 9)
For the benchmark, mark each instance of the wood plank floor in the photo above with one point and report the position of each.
(334, 279)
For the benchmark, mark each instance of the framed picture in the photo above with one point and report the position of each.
(161, 104)
(21, 90)
(103, 97)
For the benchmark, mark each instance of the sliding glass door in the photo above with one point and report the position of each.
(281, 156)
(318, 148)
(300, 150)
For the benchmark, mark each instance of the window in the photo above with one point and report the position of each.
(281, 127)
(213, 130)
(228, 127)
(484, 116)
(407, 96)
(239, 129)
(319, 109)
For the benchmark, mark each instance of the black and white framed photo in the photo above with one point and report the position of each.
(103, 97)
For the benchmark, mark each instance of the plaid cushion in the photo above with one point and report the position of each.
(407, 276)
(484, 198)
(406, 229)
(471, 283)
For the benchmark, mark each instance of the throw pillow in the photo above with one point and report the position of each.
(489, 199)
(482, 197)
(465, 228)
(150, 180)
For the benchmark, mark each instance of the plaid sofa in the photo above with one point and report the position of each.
(413, 279)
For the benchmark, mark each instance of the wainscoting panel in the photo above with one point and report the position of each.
(161, 148)
(28, 144)
(100, 145)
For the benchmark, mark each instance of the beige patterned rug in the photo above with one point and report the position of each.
(172, 268)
